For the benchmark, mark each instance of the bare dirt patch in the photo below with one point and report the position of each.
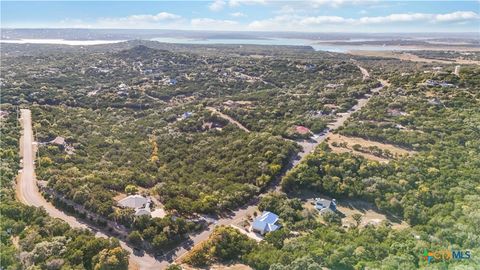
(430, 94)
(237, 266)
(384, 82)
(346, 208)
(369, 213)
(16, 242)
(120, 196)
(132, 265)
(342, 144)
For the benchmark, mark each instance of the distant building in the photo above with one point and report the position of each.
(310, 67)
(168, 81)
(122, 86)
(431, 83)
(186, 115)
(58, 140)
(265, 223)
(236, 104)
(302, 130)
(334, 85)
(325, 206)
(434, 101)
(122, 93)
(437, 83)
(444, 84)
(396, 112)
(61, 142)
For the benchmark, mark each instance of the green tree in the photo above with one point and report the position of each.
(135, 238)
(111, 259)
(131, 189)
(174, 267)
(277, 237)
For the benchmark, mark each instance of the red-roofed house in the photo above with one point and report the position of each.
(302, 130)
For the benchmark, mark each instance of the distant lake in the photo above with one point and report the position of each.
(60, 41)
(266, 41)
(282, 41)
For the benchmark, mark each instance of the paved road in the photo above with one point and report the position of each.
(27, 192)
(309, 145)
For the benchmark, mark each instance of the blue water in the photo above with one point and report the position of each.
(266, 41)
(280, 41)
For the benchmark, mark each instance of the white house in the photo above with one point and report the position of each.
(265, 223)
(133, 201)
(137, 202)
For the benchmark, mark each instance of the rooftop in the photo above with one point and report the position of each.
(133, 201)
(266, 222)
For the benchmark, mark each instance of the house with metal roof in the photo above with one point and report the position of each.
(324, 205)
(137, 202)
(265, 223)
(133, 201)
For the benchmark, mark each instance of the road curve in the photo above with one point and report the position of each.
(228, 118)
(27, 192)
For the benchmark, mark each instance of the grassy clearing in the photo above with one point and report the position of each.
(368, 149)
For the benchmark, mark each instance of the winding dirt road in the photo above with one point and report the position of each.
(228, 118)
(365, 73)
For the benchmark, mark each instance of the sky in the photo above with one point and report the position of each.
(248, 15)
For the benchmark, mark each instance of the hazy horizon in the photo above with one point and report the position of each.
(372, 16)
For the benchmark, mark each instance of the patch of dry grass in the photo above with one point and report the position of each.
(342, 144)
